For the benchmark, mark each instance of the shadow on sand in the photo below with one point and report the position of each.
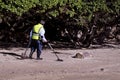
(17, 56)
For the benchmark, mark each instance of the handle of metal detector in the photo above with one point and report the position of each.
(58, 59)
(51, 47)
(53, 50)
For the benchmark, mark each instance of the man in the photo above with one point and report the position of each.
(37, 37)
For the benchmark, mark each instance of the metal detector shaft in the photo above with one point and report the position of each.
(53, 50)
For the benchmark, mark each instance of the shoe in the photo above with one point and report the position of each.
(39, 58)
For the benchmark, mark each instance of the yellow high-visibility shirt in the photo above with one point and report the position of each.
(35, 33)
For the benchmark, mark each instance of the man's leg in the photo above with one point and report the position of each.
(39, 49)
(32, 49)
(31, 53)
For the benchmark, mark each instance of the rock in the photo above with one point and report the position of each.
(78, 55)
(82, 55)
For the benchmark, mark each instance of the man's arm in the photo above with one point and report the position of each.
(42, 34)
(30, 34)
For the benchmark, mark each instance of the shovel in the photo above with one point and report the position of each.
(24, 56)
(58, 59)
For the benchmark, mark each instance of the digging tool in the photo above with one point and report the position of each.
(58, 59)
(24, 54)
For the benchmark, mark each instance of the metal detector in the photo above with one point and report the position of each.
(58, 59)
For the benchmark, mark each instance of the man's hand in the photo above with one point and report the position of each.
(44, 41)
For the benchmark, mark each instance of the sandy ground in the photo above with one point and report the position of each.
(104, 64)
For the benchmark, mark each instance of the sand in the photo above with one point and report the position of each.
(104, 64)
